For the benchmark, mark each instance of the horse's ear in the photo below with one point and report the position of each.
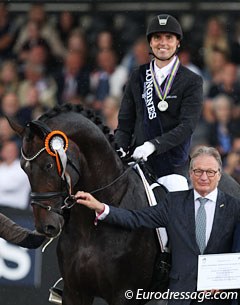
(20, 130)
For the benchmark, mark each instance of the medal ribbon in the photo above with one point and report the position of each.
(162, 94)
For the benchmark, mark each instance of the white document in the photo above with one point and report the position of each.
(218, 271)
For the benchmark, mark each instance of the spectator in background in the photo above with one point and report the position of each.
(109, 79)
(33, 107)
(227, 84)
(77, 42)
(9, 76)
(7, 134)
(232, 164)
(38, 15)
(215, 36)
(221, 132)
(105, 40)
(235, 45)
(14, 184)
(110, 111)
(66, 23)
(46, 86)
(213, 72)
(37, 50)
(33, 38)
(73, 80)
(39, 54)
(185, 58)
(138, 55)
(7, 33)
(10, 106)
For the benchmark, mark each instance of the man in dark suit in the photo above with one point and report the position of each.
(73, 81)
(198, 221)
(161, 106)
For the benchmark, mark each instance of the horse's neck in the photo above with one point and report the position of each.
(102, 174)
(99, 163)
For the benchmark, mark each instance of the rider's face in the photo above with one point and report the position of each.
(164, 45)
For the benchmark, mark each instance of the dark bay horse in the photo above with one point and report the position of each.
(100, 260)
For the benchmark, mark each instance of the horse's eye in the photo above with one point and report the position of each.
(49, 166)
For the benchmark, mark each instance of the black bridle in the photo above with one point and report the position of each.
(67, 198)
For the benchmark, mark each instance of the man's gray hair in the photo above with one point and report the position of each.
(209, 151)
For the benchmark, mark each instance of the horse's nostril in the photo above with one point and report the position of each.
(50, 230)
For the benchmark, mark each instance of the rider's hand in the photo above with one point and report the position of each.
(143, 151)
(89, 201)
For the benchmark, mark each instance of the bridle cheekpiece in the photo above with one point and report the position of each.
(56, 145)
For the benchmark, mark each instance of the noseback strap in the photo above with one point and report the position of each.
(48, 207)
(47, 195)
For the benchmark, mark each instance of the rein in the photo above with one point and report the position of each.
(115, 180)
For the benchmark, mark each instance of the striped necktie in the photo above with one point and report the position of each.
(201, 220)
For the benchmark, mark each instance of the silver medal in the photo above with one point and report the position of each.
(162, 105)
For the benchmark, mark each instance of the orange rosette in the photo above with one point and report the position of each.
(50, 137)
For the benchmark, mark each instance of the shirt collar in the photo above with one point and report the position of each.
(211, 196)
(165, 70)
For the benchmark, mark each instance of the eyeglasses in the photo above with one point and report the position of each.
(199, 172)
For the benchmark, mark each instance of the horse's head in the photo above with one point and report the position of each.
(51, 172)
(67, 150)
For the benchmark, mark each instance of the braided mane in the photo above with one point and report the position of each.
(87, 113)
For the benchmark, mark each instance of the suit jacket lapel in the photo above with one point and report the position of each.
(191, 221)
(218, 221)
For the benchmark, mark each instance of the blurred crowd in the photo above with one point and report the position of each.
(48, 60)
